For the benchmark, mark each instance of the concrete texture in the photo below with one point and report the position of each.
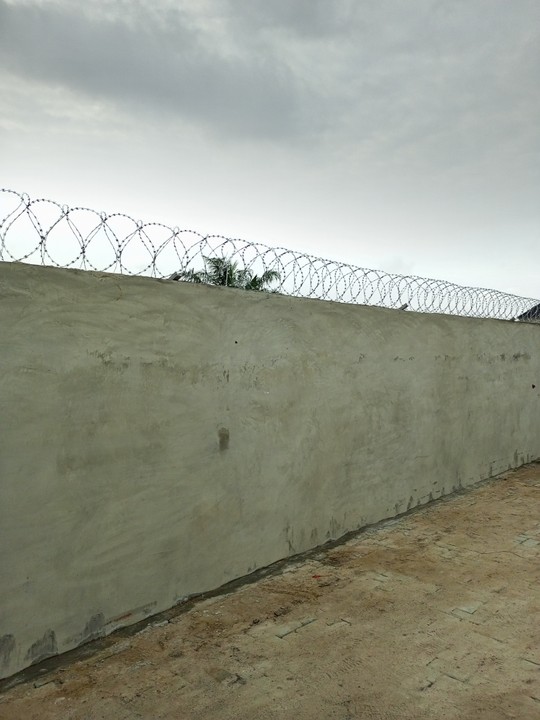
(430, 617)
(160, 439)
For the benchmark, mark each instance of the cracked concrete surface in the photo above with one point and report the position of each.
(435, 615)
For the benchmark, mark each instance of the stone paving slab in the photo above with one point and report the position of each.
(436, 616)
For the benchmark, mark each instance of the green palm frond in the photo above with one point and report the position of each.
(224, 272)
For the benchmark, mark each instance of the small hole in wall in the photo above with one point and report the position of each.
(236, 342)
(533, 387)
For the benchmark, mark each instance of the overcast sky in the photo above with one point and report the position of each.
(396, 134)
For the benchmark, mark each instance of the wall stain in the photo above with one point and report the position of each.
(94, 628)
(42, 648)
(118, 364)
(223, 434)
(289, 533)
(7, 646)
(334, 528)
(142, 610)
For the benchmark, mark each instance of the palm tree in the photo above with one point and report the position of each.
(220, 271)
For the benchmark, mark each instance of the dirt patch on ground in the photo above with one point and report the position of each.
(436, 615)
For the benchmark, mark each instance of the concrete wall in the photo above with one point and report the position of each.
(159, 439)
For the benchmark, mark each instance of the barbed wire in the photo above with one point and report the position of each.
(44, 232)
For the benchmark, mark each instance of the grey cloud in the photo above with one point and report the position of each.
(155, 61)
(308, 18)
(444, 80)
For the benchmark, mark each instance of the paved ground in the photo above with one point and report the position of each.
(435, 615)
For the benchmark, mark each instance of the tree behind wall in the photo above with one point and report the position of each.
(221, 271)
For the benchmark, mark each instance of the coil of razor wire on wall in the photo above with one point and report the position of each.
(44, 232)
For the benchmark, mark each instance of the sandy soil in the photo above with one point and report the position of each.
(434, 615)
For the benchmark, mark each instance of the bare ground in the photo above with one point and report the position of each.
(434, 615)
